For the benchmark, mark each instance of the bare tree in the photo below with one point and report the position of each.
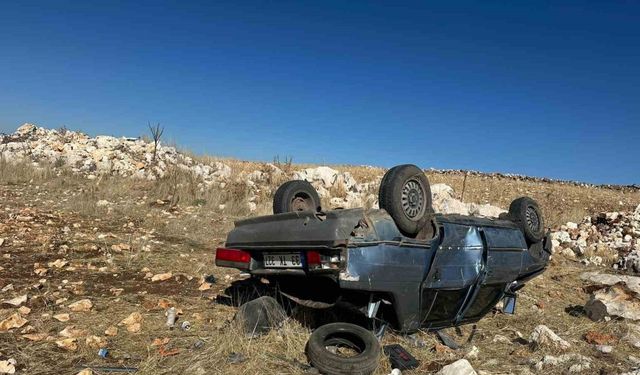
(156, 134)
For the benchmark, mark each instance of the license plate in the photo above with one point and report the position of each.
(282, 260)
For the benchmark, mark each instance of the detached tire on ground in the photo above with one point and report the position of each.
(343, 335)
(525, 212)
(259, 316)
(296, 195)
(405, 194)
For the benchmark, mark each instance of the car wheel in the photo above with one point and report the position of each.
(296, 195)
(525, 212)
(405, 194)
(343, 348)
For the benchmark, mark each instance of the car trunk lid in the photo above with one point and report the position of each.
(295, 230)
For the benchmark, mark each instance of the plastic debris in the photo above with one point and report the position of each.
(103, 352)
(171, 317)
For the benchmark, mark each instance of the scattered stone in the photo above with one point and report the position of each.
(162, 276)
(14, 321)
(459, 367)
(8, 366)
(543, 336)
(103, 203)
(96, 342)
(133, 322)
(606, 349)
(58, 263)
(70, 344)
(83, 305)
(578, 363)
(35, 336)
(618, 296)
(111, 331)
(121, 247)
(160, 341)
(86, 371)
(501, 339)
(17, 301)
(7, 288)
(73, 332)
(593, 337)
(24, 310)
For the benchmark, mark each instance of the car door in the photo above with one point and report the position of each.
(456, 267)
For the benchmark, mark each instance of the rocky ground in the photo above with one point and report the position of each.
(98, 239)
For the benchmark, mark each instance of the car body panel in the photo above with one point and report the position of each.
(456, 277)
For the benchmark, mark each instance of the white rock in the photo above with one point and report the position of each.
(619, 296)
(17, 301)
(459, 367)
(578, 362)
(26, 129)
(8, 366)
(543, 336)
(561, 236)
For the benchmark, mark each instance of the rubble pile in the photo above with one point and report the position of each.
(613, 236)
(613, 296)
(444, 201)
(102, 154)
(135, 157)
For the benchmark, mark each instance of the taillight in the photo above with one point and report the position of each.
(232, 258)
(315, 260)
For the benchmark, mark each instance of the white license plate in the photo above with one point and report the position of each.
(282, 260)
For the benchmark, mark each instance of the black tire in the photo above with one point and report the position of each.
(296, 195)
(405, 194)
(348, 335)
(260, 315)
(525, 212)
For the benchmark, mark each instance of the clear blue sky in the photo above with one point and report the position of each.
(538, 88)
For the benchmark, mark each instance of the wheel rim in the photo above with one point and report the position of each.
(302, 202)
(413, 199)
(532, 218)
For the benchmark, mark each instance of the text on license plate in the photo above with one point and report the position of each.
(282, 260)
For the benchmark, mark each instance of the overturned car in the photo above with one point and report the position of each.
(402, 264)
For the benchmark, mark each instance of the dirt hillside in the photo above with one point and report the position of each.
(99, 236)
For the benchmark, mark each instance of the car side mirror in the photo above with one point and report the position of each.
(509, 304)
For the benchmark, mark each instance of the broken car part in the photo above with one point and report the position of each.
(400, 358)
(260, 316)
(447, 340)
(343, 348)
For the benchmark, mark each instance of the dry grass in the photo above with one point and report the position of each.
(173, 224)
